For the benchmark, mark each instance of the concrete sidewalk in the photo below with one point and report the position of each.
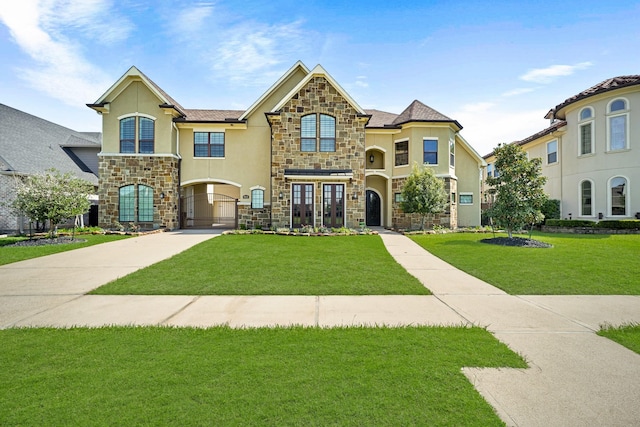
(575, 377)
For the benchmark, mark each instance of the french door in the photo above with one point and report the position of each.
(302, 206)
(333, 205)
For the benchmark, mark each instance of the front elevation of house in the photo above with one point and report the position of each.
(304, 154)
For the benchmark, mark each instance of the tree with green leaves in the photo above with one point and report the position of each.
(518, 186)
(423, 193)
(52, 196)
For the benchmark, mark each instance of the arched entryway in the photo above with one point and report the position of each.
(373, 209)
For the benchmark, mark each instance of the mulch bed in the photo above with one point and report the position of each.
(520, 242)
(46, 241)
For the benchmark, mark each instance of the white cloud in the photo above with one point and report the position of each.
(518, 91)
(486, 125)
(549, 74)
(59, 67)
(191, 19)
(361, 81)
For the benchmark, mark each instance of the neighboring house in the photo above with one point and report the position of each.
(591, 152)
(30, 145)
(305, 153)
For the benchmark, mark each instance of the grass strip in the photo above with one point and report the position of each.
(626, 335)
(9, 254)
(274, 265)
(575, 265)
(222, 376)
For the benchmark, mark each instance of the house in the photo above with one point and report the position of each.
(30, 145)
(304, 153)
(591, 151)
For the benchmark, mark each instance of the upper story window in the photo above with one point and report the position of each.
(402, 153)
(552, 152)
(617, 122)
(452, 153)
(585, 132)
(317, 130)
(430, 151)
(489, 170)
(208, 144)
(146, 135)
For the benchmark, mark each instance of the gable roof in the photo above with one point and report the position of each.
(29, 144)
(318, 71)
(298, 65)
(419, 112)
(602, 87)
(167, 101)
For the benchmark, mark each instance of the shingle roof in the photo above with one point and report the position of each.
(211, 115)
(604, 86)
(29, 144)
(380, 118)
(172, 101)
(419, 112)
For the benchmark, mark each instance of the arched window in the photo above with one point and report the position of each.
(617, 133)
(586, 113)
(146, 135)
(586, 197)
(126, 204)
(618, 196)
(586, 145)
(128, 135)
(257, 198)
(317, 133)
(145, 203)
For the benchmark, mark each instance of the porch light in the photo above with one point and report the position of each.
(281, 196)
(354, 196)
(371, 158)
(162, 195)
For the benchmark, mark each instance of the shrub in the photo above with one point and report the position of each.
(625, 224)
(551, 209)
(569, 223)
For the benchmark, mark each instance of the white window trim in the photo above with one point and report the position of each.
(593, 198)
(557, 152)
(588, 118)
(465, 194)
(148, 116)
(437, 152)
(257, 187)
(408, 153)
(627, 205)
(452, 143)
(593, 141)
(626, 132)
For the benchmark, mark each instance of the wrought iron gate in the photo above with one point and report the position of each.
(209, 210)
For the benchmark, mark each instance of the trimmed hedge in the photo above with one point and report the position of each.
(569, 223)
(623, 224)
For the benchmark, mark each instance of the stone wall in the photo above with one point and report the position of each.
(318, 96)
(403, 221)
(158, 172)
(9, 221)
(254, 218)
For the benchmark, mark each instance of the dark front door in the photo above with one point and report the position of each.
(373, 209)
(333, 205)
(302, 207)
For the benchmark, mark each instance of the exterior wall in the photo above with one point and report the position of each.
(9, 221)
(468, 173)
(254, 218)
(403, 221)
(160, 173)
(318, 96)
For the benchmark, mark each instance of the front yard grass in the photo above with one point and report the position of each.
(223, 376)
(576, 265)
(627, 335)
(274, 265)
(9, 254)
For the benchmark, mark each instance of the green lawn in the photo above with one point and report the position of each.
(222, 376)
(576, 265)
(627, 335)
(10, 254)
(274, 265)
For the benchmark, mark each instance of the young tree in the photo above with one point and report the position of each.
(518, 189)
(423, 193)
(52, 196)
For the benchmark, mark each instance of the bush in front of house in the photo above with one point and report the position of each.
(569, 223)
(622, 224)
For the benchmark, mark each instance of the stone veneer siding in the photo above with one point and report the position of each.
(158, 172)
(403, 221)
(318, 96)
(252, 218)
(9, 221)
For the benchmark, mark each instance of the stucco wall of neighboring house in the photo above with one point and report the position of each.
(468, 173)
(318, 96)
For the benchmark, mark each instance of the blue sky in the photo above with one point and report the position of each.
(495, 66)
